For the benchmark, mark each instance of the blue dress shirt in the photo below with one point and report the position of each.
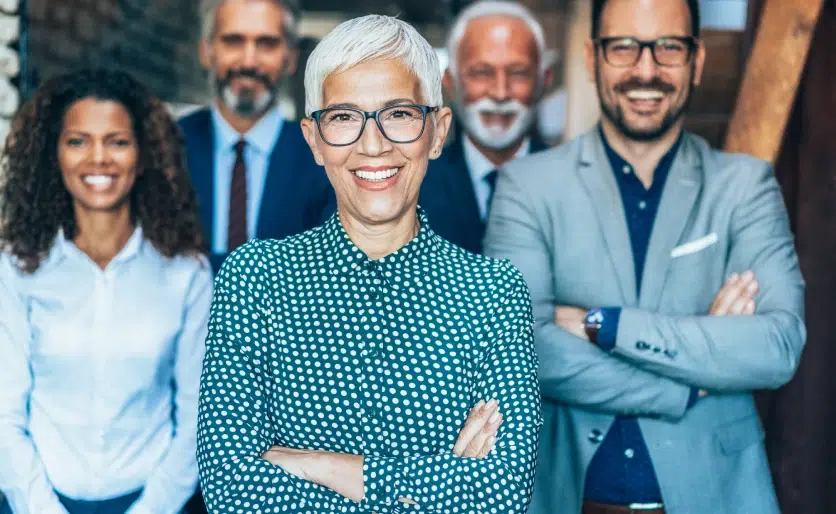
(480, 167)
(261, 139)
(621, 472)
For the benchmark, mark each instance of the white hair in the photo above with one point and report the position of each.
(209, 11)
(366, 39)
(494, 8)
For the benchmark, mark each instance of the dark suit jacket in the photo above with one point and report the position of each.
(448, 198)
(297, 194)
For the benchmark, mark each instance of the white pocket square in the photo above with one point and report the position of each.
(694, 246)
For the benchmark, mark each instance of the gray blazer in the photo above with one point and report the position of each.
(558, 217)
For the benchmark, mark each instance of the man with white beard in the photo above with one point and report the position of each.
(495, 77)
(253, 172)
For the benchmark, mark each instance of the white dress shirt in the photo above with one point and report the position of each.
(99, 377)
(261, 139)
(479, 166)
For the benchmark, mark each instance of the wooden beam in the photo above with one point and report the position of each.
(582, 110)
(773, 73)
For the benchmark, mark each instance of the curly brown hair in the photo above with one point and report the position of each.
(35, 203)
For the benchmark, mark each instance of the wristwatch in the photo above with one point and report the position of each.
(592, 324)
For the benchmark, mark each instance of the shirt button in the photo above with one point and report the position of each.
(626, 169)
(642, 205)
(629, 453)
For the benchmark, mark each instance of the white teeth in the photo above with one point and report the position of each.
(98, 180)
(376, 176)
(645, 95)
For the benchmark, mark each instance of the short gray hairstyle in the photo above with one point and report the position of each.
(366, 39)
(494, 8)
(209, 11)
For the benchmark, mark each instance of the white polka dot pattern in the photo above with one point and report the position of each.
(313, 345)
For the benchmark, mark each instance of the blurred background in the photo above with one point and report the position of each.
(156, 40)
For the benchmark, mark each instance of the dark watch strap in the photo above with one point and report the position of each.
(592, 324)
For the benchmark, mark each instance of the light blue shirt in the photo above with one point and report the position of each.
(99, 377)
(479, 166)
(261, 139)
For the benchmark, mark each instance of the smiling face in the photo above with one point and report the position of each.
(646, 101)
(497, 80)
(376, 181)
(97, 154)
(248, 54)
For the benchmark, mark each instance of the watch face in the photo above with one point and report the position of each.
(594, 318)
(592, 323)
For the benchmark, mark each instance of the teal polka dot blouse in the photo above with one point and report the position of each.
(312, 345)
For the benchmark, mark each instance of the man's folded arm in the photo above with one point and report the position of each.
(571, 369)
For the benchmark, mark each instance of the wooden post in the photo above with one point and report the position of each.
(582, 110)
(772, 76)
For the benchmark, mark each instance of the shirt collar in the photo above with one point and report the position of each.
(64, 247)
(479, 165)
(339, 246)
(262, 136)
(619, 164)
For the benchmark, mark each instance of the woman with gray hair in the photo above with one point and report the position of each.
(369, 365)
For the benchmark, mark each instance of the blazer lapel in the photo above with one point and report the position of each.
(597, 176)
(200, 155)
(460, 186)
(278, 196)
(538, 145)
(678, 201)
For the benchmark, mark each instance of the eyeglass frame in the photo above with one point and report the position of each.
(691, 42)
(367, 115)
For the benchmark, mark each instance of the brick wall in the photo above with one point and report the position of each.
(155, 40)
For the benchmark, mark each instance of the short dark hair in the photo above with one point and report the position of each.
(598, 9)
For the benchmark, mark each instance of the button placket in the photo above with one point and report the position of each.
(372, 278)
(102, 303)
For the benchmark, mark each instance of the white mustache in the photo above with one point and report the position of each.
(490, 106)
(497, 136)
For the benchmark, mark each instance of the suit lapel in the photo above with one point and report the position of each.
(460, 186)
(200, 154)
(538, 145)
(278, 196)
(678, 201)
(597, 176)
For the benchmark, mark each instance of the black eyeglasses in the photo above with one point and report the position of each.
(624, 52)
(340, 126)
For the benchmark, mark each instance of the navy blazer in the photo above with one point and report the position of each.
(297, 194)
(448, 198)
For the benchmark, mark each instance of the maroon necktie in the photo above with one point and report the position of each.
(237, 233)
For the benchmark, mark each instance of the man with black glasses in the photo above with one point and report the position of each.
(664, 282)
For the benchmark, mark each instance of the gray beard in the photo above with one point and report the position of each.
(245, 104)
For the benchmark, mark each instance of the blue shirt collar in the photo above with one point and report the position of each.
(64, 247)
(619, 164)
(262, 136)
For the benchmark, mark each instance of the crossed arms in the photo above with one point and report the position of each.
(241, 468)
(750, 342)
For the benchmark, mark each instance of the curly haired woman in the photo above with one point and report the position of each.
(104, 299)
